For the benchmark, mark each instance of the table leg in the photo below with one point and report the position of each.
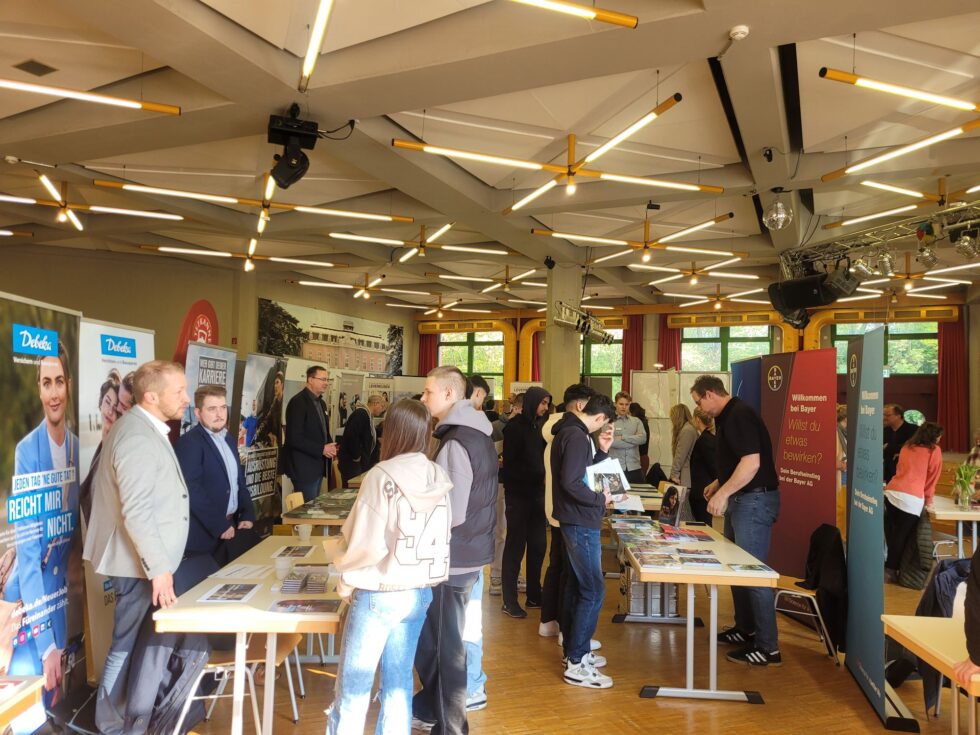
(973, 714)
(954, 710)
(269, 695)
(690, 636)
(973, 549)
(713, 641)
(959, 537)
(238, 686)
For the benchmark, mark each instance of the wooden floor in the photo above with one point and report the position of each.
(808, 694)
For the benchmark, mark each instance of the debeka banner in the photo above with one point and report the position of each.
(108, 355)
(865, 530)
(41, 625)
(799, 408)
(262, 397)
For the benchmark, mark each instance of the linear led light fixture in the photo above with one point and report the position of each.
(527, 301)
(747, 301)
(17, 200)
(475, 279)
(870, 290)
(300, 261)
(136, 213)
(492, 287)
(15, 233)
(722, 264)
(837, 75)
(597, 306)
(901, 151)
(696, 228)
(727, 274)
(439, 233)
(868, 217)
(694, 303)
(973, 189)
(740, 294)
(473, 311)
(535, 284)
(439, 308)
(657, 268)
(634, 128)
(525, 274)
(317, 32)
(894, 189)
(586, 12)
(366, 238)
(323, 284)
(651, 182)
(699, 251)
(405, 291)
(931, 288)
(950, 281)
(102, 99)
(194, 251)
(472, 249)
(408, 255)
(858, 298)
(683, 295)
(604, 258)
(925, 295)
(582, 238)
(666, 279)
(543, 189)
(953, 269)
(248, 202)
(407, 306)
(473, 156)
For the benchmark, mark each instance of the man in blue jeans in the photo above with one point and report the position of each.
(747, 494)
(579, 511)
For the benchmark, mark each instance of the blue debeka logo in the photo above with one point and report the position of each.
(34, 341)
(115, 346)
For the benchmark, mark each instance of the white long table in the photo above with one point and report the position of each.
(253, 616)
(727, 553)
(946, 509)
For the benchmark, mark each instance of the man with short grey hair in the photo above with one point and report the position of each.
(138, 528)
(360, 438)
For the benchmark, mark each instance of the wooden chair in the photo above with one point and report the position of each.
(786, 587)
(293, 501)
(221, 664)
(338, 479)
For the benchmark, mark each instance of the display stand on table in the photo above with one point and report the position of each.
(190, 615)
(727, 553)
(946, 509)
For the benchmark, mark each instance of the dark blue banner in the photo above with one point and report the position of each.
(865, 528)
(747, 381)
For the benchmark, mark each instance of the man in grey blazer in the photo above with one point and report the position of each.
(139, 522)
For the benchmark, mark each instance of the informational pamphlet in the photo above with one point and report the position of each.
(305, 606)
(230, 593)
(608, 475)
(293, 552)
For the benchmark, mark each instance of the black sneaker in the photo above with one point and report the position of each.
(515, 611)
(735, 637)
(532, 604)
(753, 656)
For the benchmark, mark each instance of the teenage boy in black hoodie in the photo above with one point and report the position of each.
(523, 476)
(580, 510)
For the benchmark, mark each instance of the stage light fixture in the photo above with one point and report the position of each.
(886, 264)
(926, 256)
(294, 135)
(967, 246)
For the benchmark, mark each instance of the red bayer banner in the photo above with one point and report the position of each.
(799, 408)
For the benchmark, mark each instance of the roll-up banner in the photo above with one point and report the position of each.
(262, 393)
(865, 531)
(384, 387)
(108, 355)
(207, 365)
(41, 579)
(348, 389)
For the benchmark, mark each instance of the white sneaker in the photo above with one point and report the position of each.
(495, 586)
(549, 629)
(594, 645)
(521, 584)
(584, 675)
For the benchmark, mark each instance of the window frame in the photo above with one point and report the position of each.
(889, 336)
(470, 343)
(724, 338)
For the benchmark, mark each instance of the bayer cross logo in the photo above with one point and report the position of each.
(775, 378)
(852, 370)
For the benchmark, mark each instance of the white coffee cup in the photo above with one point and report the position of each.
(283, 566)
(304, 531)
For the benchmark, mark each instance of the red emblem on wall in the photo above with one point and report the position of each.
(200, 325)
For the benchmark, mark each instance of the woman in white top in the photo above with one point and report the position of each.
(683, 435)
(395, 548)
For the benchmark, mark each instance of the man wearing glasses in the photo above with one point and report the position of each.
(221, 508)
(308, 448)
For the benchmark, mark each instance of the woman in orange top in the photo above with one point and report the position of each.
(912, 487)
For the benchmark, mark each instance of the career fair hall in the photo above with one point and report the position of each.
(493, 366)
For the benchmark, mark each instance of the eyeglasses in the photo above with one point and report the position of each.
(320, 377)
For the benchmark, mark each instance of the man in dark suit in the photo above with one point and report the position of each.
(222, 512)
(308, 448)
(359, 439)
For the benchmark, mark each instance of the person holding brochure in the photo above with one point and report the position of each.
(579, 511)
(394, 549)
(746, 493)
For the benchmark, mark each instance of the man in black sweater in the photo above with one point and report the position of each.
(580, 510)
(359, 439)
(523, 476)
(897, 432)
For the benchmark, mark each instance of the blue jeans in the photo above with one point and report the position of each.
(310, 488)
(476, 679)
(748, 522)
(584, 590)
(385, 626)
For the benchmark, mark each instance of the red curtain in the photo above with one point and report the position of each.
(536, 356)
(428, 353)
(951, 406)
(669, 346)
(632, 347)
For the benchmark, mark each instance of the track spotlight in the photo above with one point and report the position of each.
(967, 246)
(294, 135)
(886, 264)
(927, 256)
(862, 269)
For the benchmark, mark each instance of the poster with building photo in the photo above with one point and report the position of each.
(260, 435)
(207, 365)
(108, 355)
(41, 582)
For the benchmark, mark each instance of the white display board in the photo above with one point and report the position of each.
(658, 391)
(407, 386)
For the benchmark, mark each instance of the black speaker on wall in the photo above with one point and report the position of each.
(793, 297)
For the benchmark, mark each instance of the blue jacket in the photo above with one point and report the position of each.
(208, 487)
(42, 559)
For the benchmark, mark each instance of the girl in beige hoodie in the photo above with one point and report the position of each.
(395, 548)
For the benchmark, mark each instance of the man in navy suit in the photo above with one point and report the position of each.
(308, 447)
(222, 512)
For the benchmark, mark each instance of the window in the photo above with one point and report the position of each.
(714, 349)
(475, 353)
(604, 361)
(911, 348)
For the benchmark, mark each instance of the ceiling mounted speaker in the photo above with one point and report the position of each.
(841, 283)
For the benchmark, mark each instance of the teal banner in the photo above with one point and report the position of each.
(866, 513)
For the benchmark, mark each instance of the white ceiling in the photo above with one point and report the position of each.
(485, 75)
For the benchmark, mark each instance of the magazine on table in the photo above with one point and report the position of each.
(664, 561)
(750, 568)
(230, 593)
(306, 606)
(701, 561)
(608, 475)
(292, 552)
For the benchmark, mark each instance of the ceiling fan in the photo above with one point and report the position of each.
(694, 273)
(504, 283)
(717, 300)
